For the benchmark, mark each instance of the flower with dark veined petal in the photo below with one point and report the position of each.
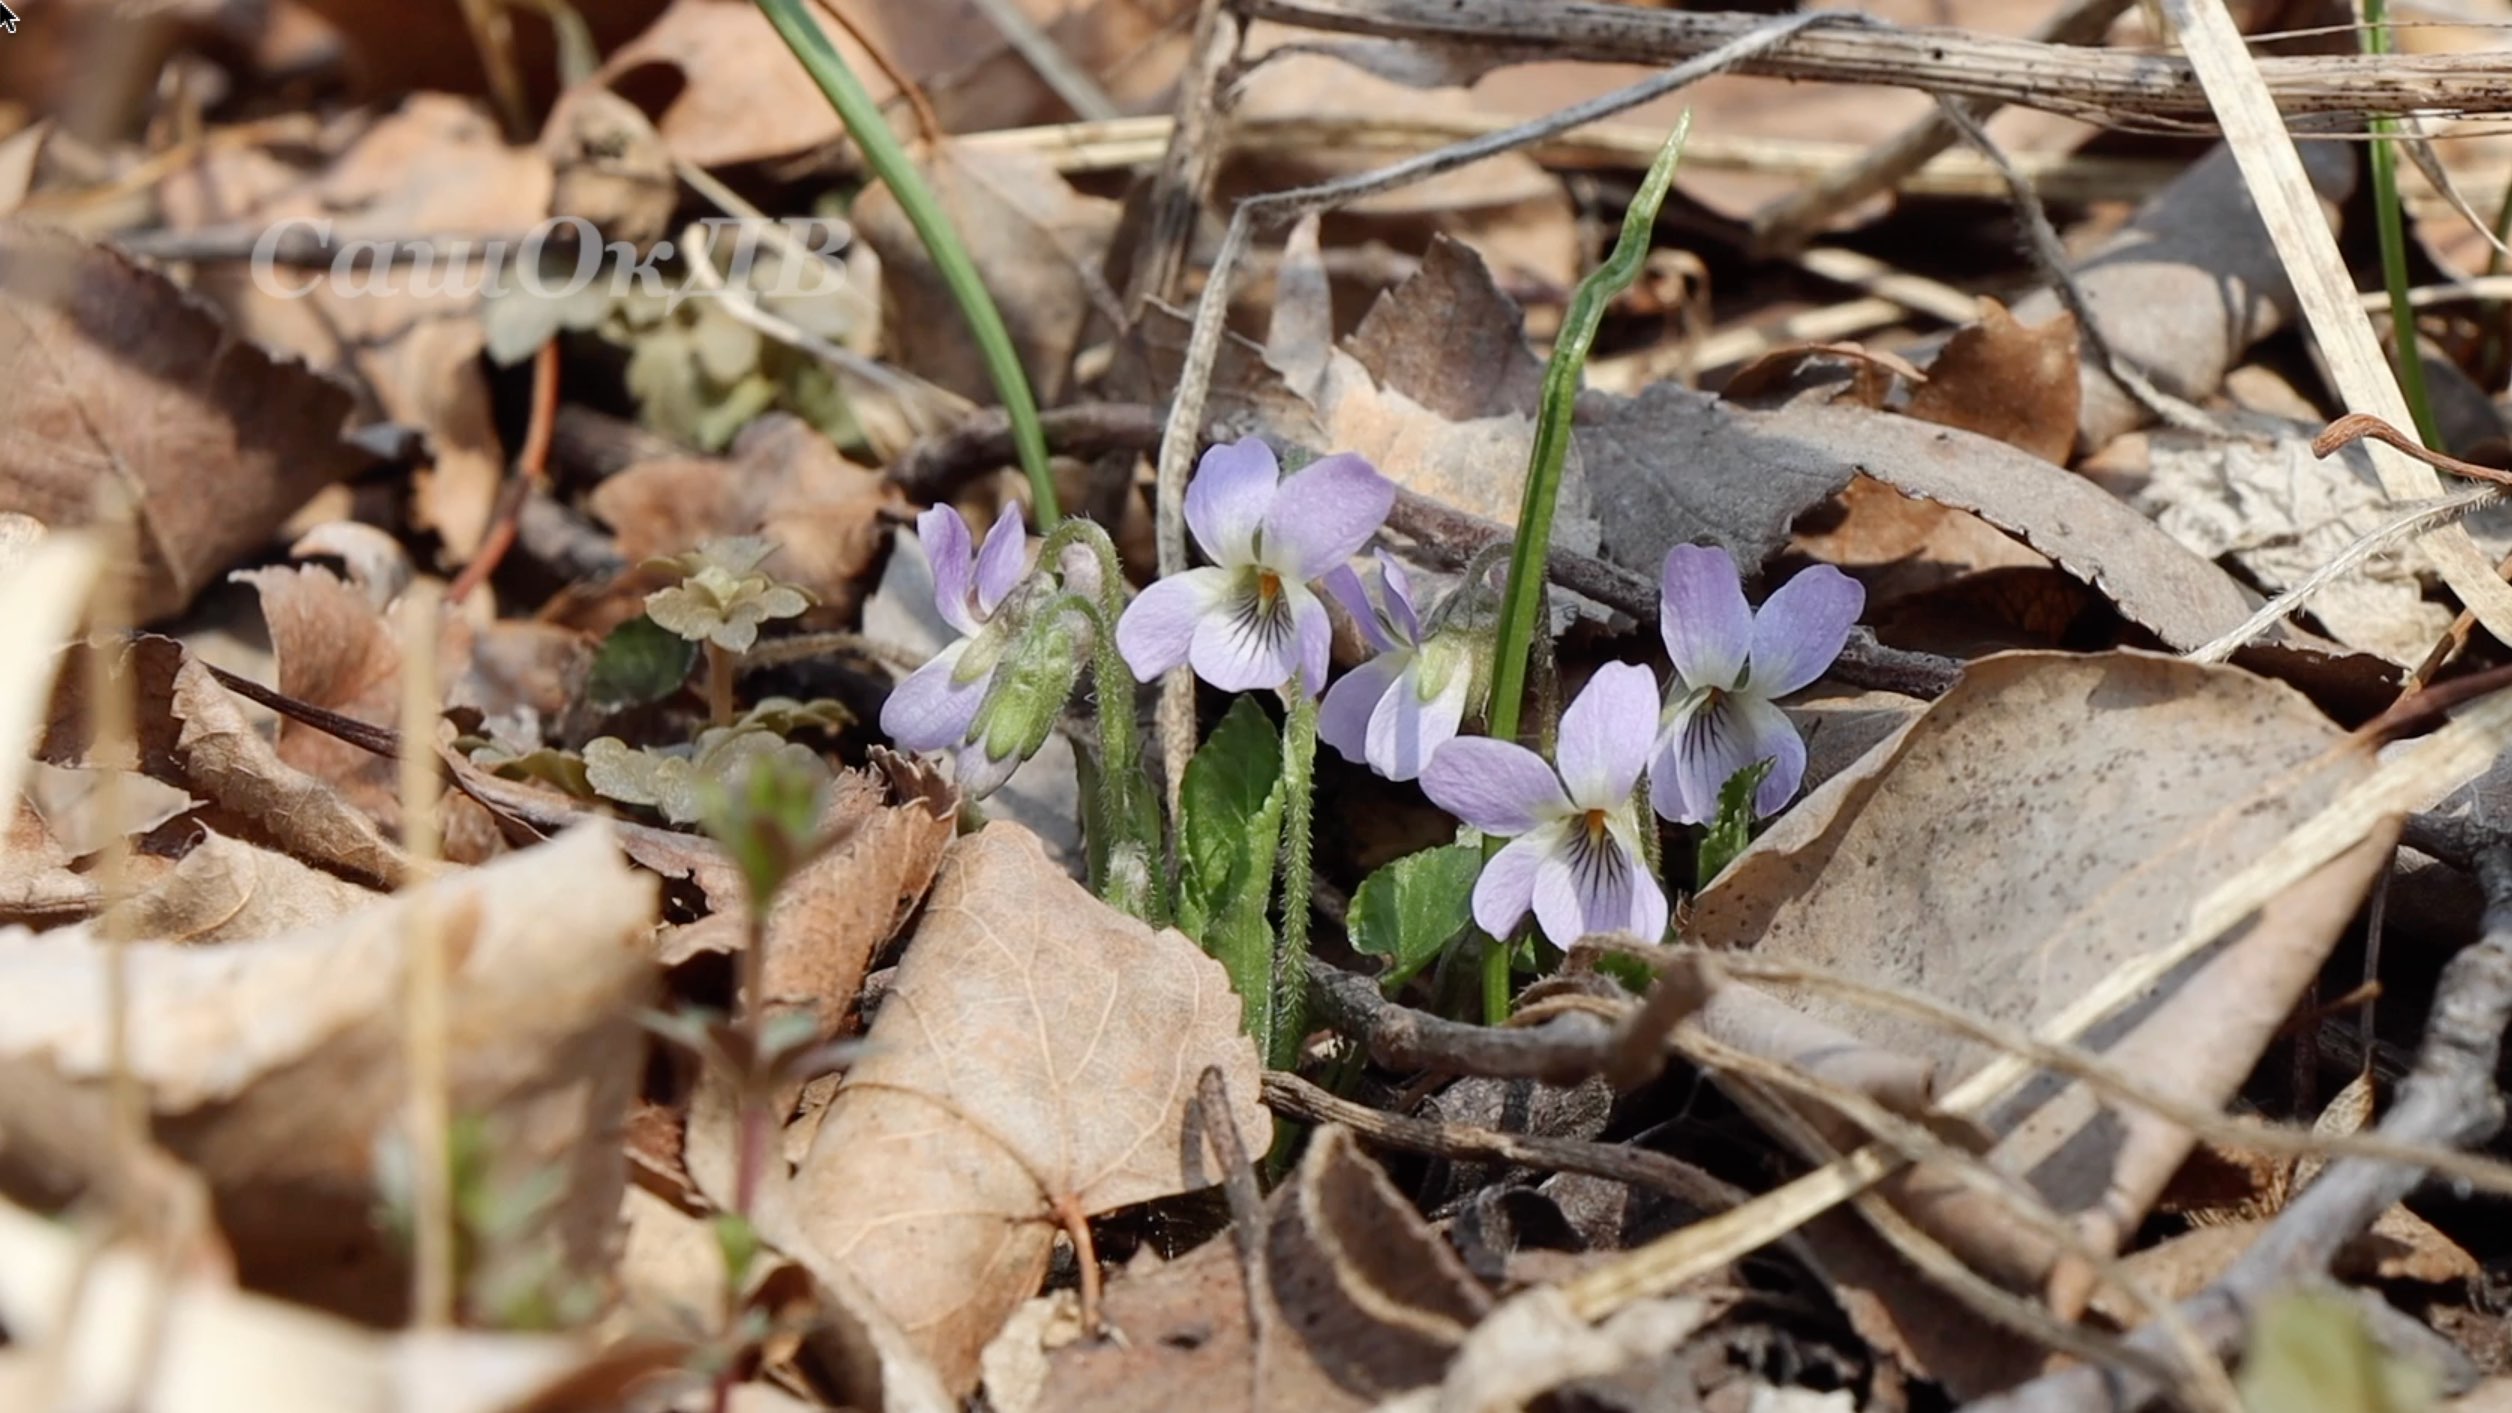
(1394, 712)
(1250, 621)
(934, 708)
(1731, 664)
(1576, 859)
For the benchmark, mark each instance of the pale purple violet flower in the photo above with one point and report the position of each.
(1394, 712)
(1731, 664)
(1576, 859)
(1250, 621)
(935, 706)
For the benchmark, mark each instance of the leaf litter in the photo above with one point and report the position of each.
(774, 1068)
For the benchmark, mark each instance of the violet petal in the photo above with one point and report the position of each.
(1701, 610)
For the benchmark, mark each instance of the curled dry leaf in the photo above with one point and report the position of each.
(275, 1068)
(336, 650)
(1358, 1299)
(835, 913)
(193, 735)
(1035, 1062)
(110, 376)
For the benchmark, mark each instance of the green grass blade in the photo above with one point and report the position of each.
(1522, 605)
(2391, 224)
(871, 131)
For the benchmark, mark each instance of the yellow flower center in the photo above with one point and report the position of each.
(1268, 586)
(1593, 822)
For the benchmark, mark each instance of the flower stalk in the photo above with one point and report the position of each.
(1290, 954)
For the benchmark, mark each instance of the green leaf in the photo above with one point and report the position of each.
(1227, 785)
(1733, 829)
(2310, 1350)
(641, 661)
(1409, 909)
(1230, 824)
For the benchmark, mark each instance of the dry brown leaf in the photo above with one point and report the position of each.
(833, 916)
(1900, 546)
(2185, 288)
(141, 1336)
(1038, 244)
(735, 94)
(194, 736)
(274, 1066)
(2014, 384)
(1037, 1057)
(1678, 466)
(783, 482)
(1361, 1301)
(110, 376)
(436, 167)
(36, 882)
(226, 890)
(2072, 810)
(1438, 388)
(395, 49)
(336, 651)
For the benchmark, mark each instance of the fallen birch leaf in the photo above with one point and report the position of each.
(1034, 1064)
(112, 376)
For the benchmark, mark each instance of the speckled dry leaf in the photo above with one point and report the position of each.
(1680, 466)
(188, 1343)
(2004, 380)
(782, 482)
(2263, 501)
(111, 376)
(274, 1066)
(1039, 1052)
(194, 736)
(2072, 810)
(435, 166)
(1361, 1300)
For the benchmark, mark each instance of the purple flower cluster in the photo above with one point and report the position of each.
(1253, 620)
